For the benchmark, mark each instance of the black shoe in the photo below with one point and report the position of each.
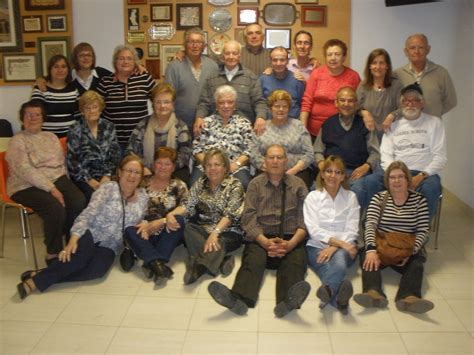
(324, 294)
(27, 274)
(22, 290)
(227, 265)
(161, 272)
(222, 295)
(193, 273)
(343, 296)
(127, 259)
(296, 296)
(147, 272)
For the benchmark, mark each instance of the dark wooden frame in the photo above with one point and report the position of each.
(316, 9)
(30, 6)
(179, 9)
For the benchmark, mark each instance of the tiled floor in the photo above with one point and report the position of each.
(123, 314)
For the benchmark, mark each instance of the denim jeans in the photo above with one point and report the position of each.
(333, 272)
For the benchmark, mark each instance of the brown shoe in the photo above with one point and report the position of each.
(414, 304)
(371, 298)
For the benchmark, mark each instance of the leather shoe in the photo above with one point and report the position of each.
(371, 298)
(227, 265)
(127, 259)
(296, 296)
(193, 273)
(414, 304)
(222, 295)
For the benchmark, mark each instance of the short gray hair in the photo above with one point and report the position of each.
(233, 42)
(124, 47)
(194, 30)
(225, 90)
(421, 35)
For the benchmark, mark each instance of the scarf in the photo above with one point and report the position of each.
(149, 137)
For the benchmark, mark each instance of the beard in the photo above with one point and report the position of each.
(411, 113)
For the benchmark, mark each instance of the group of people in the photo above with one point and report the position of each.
(227, 157)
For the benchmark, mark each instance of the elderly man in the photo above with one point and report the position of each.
(250, 102)
(345, 135)
(188, 75)
(254, 56)
(417, 139)
(276, 240)
(282, 78)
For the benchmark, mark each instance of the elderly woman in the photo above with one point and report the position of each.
(126, 93)
(288, 133)
(379, 93)
(331, 215)
(324, 82)
(38, 178)
(93, 152)
(96, 236)
(160, 129)
(59, 98)
(228, 131)
(155, 239)
(216, 203)
(406, 212)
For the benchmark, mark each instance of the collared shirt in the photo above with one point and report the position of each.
(263, 207)
(231, 73)
(211, 206)
(160, 203)
(305, 71)
(86, 84)
(327, 218)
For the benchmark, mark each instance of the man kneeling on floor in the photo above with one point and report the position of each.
(276, 240)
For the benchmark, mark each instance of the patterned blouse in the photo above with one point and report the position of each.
(233, 138)
(160, 203)
(209, 207)
(104, 215)
(89, 157)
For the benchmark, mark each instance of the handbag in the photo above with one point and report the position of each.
(393, 247)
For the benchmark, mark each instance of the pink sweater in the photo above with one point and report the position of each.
(320, 93)
(34, 160)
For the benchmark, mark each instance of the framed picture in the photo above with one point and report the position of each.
(255, 2)
(161, 12)
(313, 15)
(247, 15)
(206, 38)
(57, 23)
(188, 16)
(32, 24)
(10, 32)
(36, 5)
(313, 2)
(167, 54)
(19, 67)
(49, 46)
(153, 67)
(277, 37)
(153, 49)
(239, 35)
(133, 19)
(135, 2)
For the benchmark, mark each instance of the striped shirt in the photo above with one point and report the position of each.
(126, 104)
(411, 217)
(62, 110)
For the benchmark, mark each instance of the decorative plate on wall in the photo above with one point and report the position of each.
(220, 2)
(279, 14)
(216, 43)
(220, 20)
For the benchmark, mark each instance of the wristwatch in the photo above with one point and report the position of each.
(217, 230)
(422, 173)
(239, 164)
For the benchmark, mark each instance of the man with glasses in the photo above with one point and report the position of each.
(418, 139)
(345, 135)
(273, 222)
(188, 75)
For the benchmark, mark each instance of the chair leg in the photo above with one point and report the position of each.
(437, 220)
(3, 231)
(26, 232)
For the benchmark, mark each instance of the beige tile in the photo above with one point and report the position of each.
(116, 282)
(210, 316)
(207, 342)
(454, 286)
(464, 311)
(74, 338)
(10, 274)
(151, 341)
(367, 343)
(300, 343)
(162, 313)
(19, 336)
(308, 319)
(438, 343)
(173, 288)
(37, 307)
(457, 267)
(440, 319)
(96, 309)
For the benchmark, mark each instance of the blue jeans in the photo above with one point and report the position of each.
(333, 272)
(360, 187)
(431, 189)
(157, 247)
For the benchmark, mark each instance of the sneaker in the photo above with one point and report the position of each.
(227, 265)
(296, 296)
(343, 296)
(222, 295)
(371, 298)
(414, 304)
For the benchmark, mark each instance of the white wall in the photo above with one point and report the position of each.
(448, 26)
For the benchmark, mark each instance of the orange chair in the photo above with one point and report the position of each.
(23, 210)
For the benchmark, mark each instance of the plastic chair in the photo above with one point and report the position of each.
(437, 218)
(23, 210)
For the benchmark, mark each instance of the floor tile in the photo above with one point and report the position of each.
(300, 343)
(151, 341)
(208, 342)
(464, 311)
(96, 309)
(438, 343)
(454, 286)
(20, 336)
(116, 282)
(367, 343)
(73, 338)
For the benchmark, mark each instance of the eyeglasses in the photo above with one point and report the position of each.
(410, 101)
(132, 172)
(85, 55)
(163, 102)
(30, 116)
(335, 172)
(273, 157)
(195, 43)
(396, 177)
(91, 107)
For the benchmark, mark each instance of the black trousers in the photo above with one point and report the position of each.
(410, 282)
(57, 220)
(290, 270)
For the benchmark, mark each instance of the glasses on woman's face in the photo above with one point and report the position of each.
(93, 107)
(163, 102)
(131, 171)
(397, 177)
(333, 171)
